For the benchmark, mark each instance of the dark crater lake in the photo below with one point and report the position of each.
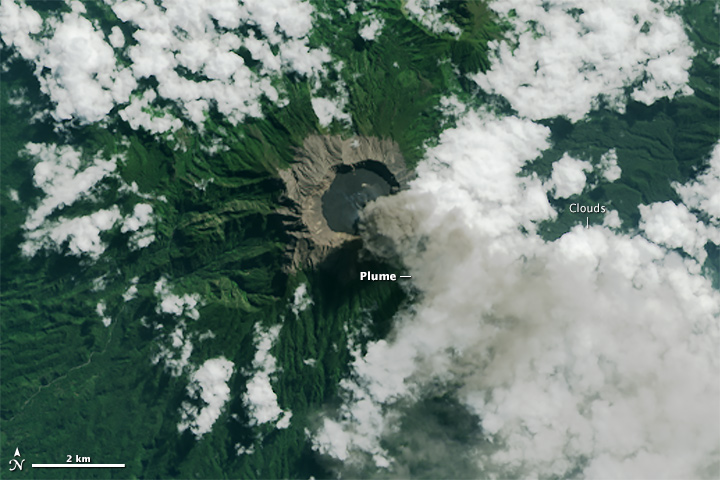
(353, 187)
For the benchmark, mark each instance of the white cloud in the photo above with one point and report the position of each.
(138, 115)
(242, 450)
(132, 290)
(451, 106)
(77, 68)
(327, 110)
(372, 29)
(74, 64)
(176, 347)
(17, 23)
(485, 155)
(675, 227)
(299, 57)
(261, 51)
(174, 355)
(703, 194)
(99, 283)
(80, 234)
(573, 354)
(612, 219)
(116, 37)
(260, 398)
(503, 200)
(174, 35)
(570, 353)
(130, 293)
(609, 167)
(564, 64)
(568, 176)
(59, 174)
(209, 383)
(206, 336)
(137, 223)
(100, 310)
(292, 17)
(65, 176)
(284, 421)
(142, 240)
(332, 439)
(141, 216)
(429, 14)
(173, 304)
(301, 299)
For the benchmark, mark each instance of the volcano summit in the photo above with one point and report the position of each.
(332, 180)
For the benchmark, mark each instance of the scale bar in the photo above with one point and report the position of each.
(78, 465)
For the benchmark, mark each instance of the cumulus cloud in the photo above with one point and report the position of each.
(189, 47)
(173, 304)
(116, 37)
(372, 28)
(81, 235)
(142, 215)
(74, 64)
(242, 450)
(100, 310)
(138, 223)
(452, 107)
(612, 219)
(59, 173)
(429, 14)
(572, 53)
(571, 355)
(301, 299)
(155, 120)
(292, 17)
(171, 36)
(703, 194)
(208, 384)
(65, 176)
(100, 283)
(328, 110)
(675, 227)
(17, 23)
(132, 290)
(609, 167)
(260, 398)
(503, 200)
(568, 176)
(174, 349)
(174, 35)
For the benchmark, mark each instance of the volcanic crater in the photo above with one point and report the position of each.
(328, 185)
